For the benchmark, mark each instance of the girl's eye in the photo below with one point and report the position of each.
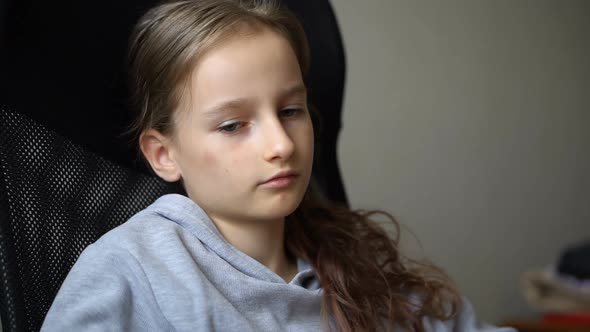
(289, 112)
(231, 128)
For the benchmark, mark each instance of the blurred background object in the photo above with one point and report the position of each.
(561, 292)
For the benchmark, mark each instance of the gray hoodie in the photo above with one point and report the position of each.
(169, 269)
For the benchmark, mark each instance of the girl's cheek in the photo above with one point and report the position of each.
(237, 162)
(209, 158)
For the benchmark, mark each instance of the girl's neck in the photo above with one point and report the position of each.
(262, 240)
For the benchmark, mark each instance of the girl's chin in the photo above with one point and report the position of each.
(280, 211)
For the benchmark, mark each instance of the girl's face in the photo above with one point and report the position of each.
(245, 122)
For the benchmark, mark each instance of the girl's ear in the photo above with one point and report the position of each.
(158, 151)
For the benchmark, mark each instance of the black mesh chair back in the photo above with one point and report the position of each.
(55, 199)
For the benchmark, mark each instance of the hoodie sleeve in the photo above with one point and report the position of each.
(465, 321)
(106, 290)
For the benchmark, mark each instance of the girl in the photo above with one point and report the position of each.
(222, 108)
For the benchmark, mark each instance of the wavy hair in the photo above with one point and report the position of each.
(367, 284)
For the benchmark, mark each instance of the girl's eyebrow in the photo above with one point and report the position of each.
(226, 105)
(294, 90)
(239, 102)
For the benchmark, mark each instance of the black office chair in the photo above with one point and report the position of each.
(56, 198)
(67, 176)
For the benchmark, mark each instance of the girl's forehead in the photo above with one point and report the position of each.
(247, 64)
(249, 44)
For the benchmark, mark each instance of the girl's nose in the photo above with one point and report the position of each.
(277, 142)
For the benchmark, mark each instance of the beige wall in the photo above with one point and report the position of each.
(470, 122)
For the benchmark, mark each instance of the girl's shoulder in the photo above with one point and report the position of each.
(465, 320)
(163, 224)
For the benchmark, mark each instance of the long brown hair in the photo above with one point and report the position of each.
(367, 284)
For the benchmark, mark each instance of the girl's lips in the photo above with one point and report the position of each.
(280, 182)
